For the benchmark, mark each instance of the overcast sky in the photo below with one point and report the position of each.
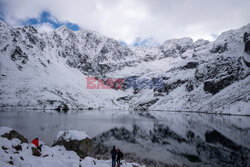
(126, 20)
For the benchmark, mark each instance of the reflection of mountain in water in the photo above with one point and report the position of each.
(163, 144)
(169, 138)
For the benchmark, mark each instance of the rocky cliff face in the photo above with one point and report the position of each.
(90, 52)
(48, 70)
(200, 75)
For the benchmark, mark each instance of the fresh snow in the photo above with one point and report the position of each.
(47, 70)
(56, 156)
(71, 135)
(4, 130)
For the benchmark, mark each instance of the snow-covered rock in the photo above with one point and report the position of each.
(72, 135)
(4, 130)
(77, 141)
(10, 134)
(176, 47)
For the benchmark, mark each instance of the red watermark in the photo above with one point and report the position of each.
(110, 83)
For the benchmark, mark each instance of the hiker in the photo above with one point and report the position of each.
(113, 154)
(119, 157)
(36, 143)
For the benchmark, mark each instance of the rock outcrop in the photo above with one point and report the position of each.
(247, 42)
(83, 146)
(14, 134)
(219, 74)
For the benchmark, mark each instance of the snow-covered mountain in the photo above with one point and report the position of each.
(49, 70)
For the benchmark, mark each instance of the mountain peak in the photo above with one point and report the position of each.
(30, 28)
(63, 28)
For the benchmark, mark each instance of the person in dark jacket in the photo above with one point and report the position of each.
(119, 157)
(36, 143)
(113, 154)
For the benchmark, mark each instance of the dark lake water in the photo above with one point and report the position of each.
(169, 137)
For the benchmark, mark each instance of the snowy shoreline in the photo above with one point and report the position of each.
(16, 152)
(149, 113)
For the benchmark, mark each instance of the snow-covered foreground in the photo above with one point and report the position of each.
(56, 156)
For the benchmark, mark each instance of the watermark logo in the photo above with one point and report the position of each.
(127, 83)
(110, 83)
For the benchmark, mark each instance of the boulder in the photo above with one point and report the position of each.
(76, 141)
(35, 152)
(18, 147)
(14, 134)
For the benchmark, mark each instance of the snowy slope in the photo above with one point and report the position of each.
(49, 70)
(197, 75)
(39, 78)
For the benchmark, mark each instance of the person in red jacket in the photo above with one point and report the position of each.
(36, 143)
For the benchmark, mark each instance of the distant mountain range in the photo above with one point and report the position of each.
(49, 70)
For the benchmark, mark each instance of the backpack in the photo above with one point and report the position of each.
(121, 154)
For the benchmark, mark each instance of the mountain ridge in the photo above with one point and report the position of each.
(51, 70)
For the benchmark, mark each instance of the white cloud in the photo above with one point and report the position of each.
(126, 20)
(45, 27)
